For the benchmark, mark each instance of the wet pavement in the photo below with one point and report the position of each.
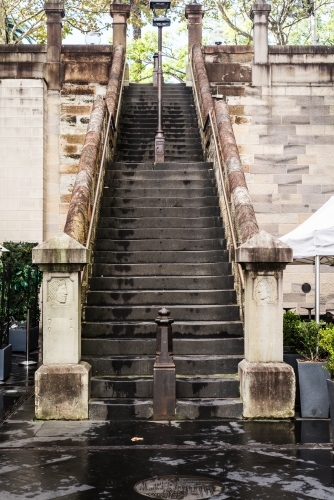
(104, 460)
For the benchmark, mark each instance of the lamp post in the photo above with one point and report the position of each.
(160, 22)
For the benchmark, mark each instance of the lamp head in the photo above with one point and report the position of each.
(161, 22)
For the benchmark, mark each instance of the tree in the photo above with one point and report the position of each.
(20, 19)
(284, 21)
(140, 56)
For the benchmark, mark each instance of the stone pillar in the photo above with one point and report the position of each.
(261, 69)
(62, 382)
(53, 67)
(120, 13)
(267, 385)
(259, 14)
(194, 13)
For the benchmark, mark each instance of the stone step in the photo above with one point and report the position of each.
(144, 212)
(143, 365)
(159, 175)
(190, 312)
(199, 409)
(160, 233)
(157, 245)
(132, 270)
(186, 387)
(142, 409)
(120, 409)
(170, 202)
(159, 222)
(181, 329)
(149, 156)
(157, 257)
(184, 346)
(162, 283)
(161, 183)
(154, 297)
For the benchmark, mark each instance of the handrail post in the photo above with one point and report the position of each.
(164, 369)
(267, 384)
(61, 259)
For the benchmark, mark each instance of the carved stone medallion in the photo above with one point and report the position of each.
(265, 290)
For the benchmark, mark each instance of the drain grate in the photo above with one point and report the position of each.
(179, 487)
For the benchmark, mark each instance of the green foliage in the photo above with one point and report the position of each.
(291, 335)
(326, 342)
(25, 281)
(310, 339)
(140, 57)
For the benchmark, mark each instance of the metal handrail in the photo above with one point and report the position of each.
(221, 171)
(106, 139)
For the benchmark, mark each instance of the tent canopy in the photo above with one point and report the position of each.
(314, 237)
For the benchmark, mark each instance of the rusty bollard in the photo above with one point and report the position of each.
(164, 369)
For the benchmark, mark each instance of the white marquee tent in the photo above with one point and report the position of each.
(313, 242)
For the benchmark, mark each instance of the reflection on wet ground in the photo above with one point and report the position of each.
(101, 460)
(88, 460)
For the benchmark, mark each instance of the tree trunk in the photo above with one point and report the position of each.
(3, 39)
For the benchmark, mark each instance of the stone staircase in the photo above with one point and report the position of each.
(160, 242)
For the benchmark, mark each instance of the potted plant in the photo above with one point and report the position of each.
(312, 375)
(5, 346)
(25, 284)
(326, 342)
(292, 345)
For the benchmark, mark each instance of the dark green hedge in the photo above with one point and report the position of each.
(25, 281)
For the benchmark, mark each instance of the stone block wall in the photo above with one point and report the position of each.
(22, 159)
(285, 135)
(75, 108)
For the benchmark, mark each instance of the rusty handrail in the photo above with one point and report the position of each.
(221, 172)
(106, 140)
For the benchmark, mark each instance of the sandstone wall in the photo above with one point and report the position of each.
(285, 135)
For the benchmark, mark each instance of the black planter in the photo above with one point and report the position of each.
(5, 362)
(330, 388)
(314, 402)
(17, 337)
(291, 359)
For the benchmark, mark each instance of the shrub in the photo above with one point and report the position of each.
(25, 281)
(309, 333)
(326, 342)
(291, 335)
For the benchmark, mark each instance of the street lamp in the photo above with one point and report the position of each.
(160, 22)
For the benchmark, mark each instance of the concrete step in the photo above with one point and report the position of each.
(160, 233)
(162, 283)
(169, 202)
(190, 312)
(161, 244)
(132, 270)
(143, 365)
(147, 346)
(159, 222)
(152, 297)
(148, 329)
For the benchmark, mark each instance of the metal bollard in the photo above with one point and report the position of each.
(164, 369)
(27, 362)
